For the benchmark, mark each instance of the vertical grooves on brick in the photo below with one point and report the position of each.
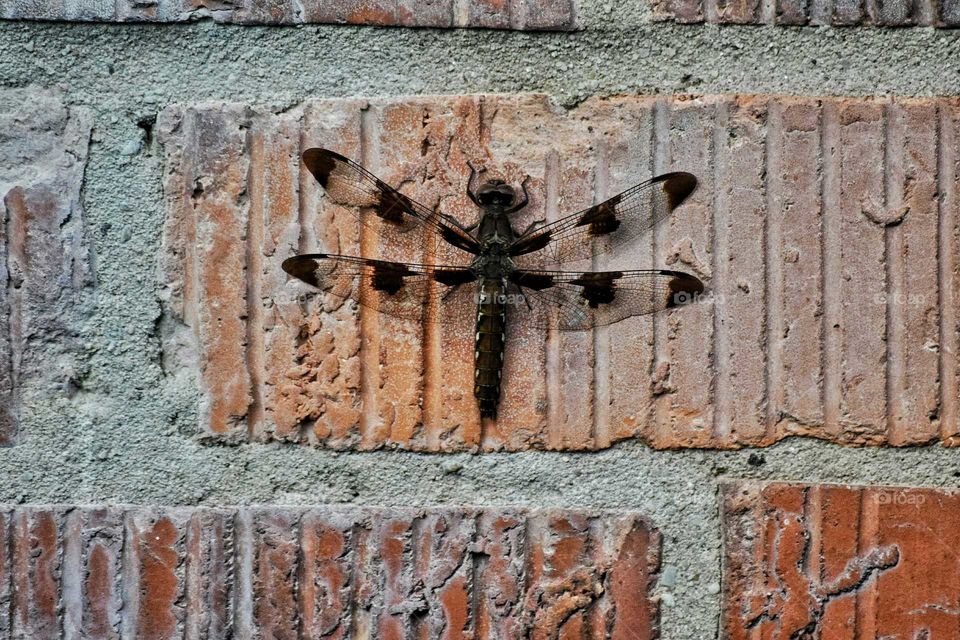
(773, 271)
(948, 271)
(306, 211)
(711, 11)
(551, 176)
(6, 573)
(893, 144)
(369, 326)
(660, 154)
(418, 626)
(360, 617)
(831, 286)
(479, 560)
(720, 111)
(71, 588)
(869, 595)
(243, 574)
(460, 11)
(767, 12)
(254, 276)
(813, 515)
(600, 431)
(130, 594)
(8, 366)
(574, 12)
(515, 15)
(719, 245)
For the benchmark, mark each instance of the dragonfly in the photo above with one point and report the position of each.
(488, 273)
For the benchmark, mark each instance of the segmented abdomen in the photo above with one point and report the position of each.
(491, 326)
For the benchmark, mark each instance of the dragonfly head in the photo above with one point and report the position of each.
(496, 194)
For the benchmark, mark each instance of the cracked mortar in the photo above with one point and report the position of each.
(125, 434)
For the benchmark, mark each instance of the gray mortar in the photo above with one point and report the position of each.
(125, 434)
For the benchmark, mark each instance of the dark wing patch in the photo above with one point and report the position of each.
(621, 218)
(577, 301)
(602, 219)
(347, 183)
(400, 290)
(597, 287)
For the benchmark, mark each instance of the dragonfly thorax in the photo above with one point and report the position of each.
(494, 262)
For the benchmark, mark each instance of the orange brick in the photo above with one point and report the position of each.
(524, 15)
(838, 562)
(881, 13)
(825, 229)
(329, 571)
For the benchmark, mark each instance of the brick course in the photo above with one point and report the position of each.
(881, 13)
(826, 229)
(832, 561)
(524, 15)
(337, 572)
(44, 259)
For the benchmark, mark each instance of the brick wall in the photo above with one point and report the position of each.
(881, 13)
(825, 229)
(524, 15)
(107, 572)
(773, 461)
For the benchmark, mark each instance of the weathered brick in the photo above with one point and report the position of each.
(685, 11)
(825, 229)
(881, 13)
(44, 259)
(830, 561)
(330, 571)
(528, 15)
(92, 549)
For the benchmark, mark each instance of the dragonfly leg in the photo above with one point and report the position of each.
(520, 204)
(474, 172)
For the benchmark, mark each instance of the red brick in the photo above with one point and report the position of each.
(881, 13)
(838, 561)
(208, 572)
(35, 572)
(92, 549)
(685, 11)
(531, 15)
(734, 11)
(154, 568)
(42, 240)
(337, 572)
(831, 309)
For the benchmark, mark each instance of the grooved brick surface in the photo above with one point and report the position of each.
(827, 231)
(326, 572)
(881, 13)
(44, 261)
(525, 15)
(839, 562)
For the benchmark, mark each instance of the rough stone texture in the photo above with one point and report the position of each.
(524, 15)
(45, 268)
(325, 572)
(881, 13)
(835, 561)
(849, 334)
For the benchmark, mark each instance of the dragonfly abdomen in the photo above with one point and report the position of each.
(491, 334)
